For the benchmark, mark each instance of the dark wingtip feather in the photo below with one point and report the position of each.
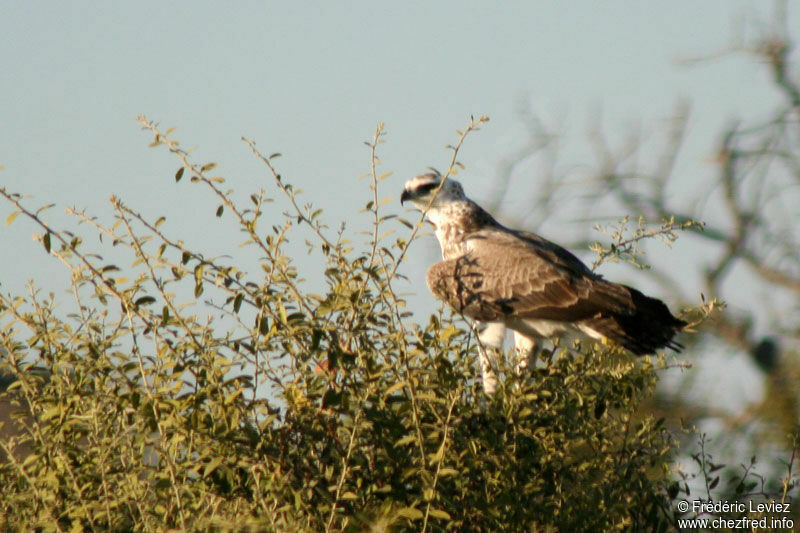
(644, 328)
(651, 326)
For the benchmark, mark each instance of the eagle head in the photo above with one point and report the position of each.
(428, 190)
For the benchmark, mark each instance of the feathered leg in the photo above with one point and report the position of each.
(491, 338)
(525, 351)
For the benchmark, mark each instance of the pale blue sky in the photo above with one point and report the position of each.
(312, 79)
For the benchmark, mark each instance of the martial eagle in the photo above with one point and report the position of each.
(519, 280)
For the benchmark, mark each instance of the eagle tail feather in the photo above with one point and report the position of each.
(643, 327)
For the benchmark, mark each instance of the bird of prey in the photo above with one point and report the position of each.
(518, 280)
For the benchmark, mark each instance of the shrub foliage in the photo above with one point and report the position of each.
(183, 392)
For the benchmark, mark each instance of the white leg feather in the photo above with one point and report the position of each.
(490, 340)
(525, 350)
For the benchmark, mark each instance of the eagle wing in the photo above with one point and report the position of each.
(509, 273)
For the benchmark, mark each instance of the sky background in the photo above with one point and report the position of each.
(313, 79)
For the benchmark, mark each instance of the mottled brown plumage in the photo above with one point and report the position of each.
(531, 285)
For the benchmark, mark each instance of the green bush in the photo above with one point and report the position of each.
(184, 393)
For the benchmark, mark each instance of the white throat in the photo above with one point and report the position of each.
(449, 233)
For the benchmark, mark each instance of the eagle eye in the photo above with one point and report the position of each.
(427, 187)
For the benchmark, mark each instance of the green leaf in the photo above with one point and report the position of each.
(439, 455)
(46, 242)
(237, 302)
(263, 325)
(446, 334)
(220, 209)
(394, 388)
(212, 465)
(410, 513)
(52, 412)
(179, 174)
(405, 440)
(144, 300)
(438, 513)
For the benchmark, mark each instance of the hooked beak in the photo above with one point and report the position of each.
(405, 196)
